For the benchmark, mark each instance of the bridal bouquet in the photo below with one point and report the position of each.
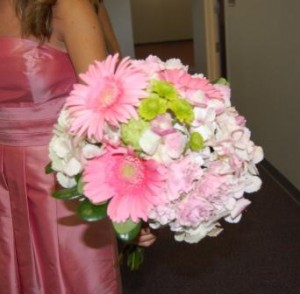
(145, 141)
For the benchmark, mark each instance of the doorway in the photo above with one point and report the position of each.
(191, 30)
(163, 28)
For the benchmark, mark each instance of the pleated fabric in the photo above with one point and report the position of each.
(44, 247)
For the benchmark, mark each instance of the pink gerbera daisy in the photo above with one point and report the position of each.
(110, 95)
(132, 184)
(187, 83)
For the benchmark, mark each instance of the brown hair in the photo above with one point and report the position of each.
(36, 17)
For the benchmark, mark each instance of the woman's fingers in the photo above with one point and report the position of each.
(146, 238)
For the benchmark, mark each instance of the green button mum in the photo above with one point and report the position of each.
(151, 107)
(196, 142)
(182, 110)
(132, 131)
(164, 89)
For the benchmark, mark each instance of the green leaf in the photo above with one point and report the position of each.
(127, 231)
(80, 185)
(67, 194)
(222, 81)
(48, 168)
(92, 212)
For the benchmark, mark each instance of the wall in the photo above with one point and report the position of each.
(199, 36)
(161, 20)
(120, 15)
(144, 21)
(263, 45)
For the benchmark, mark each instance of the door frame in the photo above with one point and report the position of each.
(212, 39)
(209, 38)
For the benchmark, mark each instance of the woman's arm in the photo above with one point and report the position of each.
(80, 31)
(78, 26)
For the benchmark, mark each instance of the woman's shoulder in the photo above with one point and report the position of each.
(71, 6)
(68, 13)
(71, 18)
(76, 26)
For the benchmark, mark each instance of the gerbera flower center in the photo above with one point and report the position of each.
(132, 170)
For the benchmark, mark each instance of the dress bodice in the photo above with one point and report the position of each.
(34, 81)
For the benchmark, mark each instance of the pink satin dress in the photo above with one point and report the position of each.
(44, 248)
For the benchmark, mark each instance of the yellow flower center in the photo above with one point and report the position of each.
(132, 170)
(108, 95)
(128, 171)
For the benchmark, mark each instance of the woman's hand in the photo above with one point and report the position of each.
(146, 238)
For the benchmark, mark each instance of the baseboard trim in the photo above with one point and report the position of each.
(281, 180)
